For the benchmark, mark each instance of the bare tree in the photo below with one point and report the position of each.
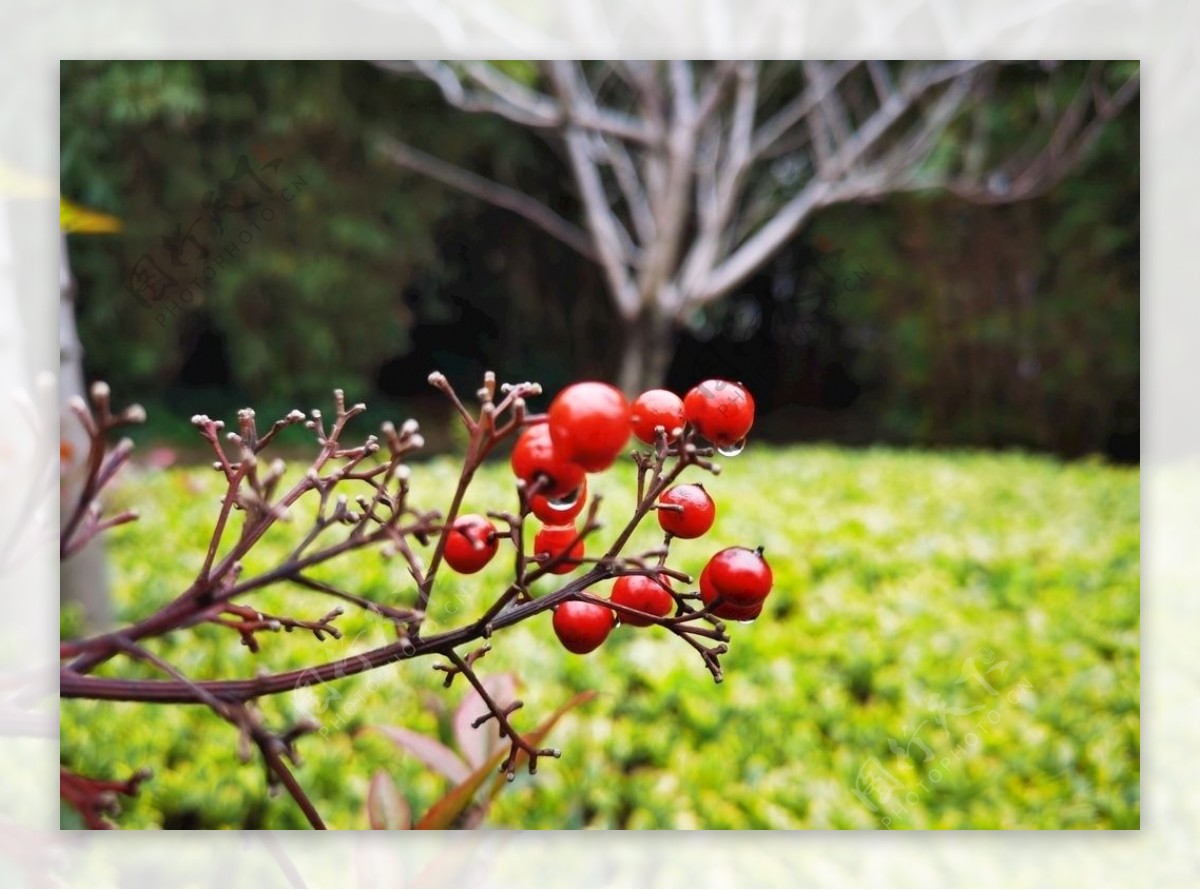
(691, 175)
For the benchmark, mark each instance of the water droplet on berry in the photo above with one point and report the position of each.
(565, 503)
(733, 450)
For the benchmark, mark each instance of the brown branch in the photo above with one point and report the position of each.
(85, 520)
(517, 742)
(94, 799)
(270, 747)
(245, 720)
(74, 684)
(219, 586)
(399, 616)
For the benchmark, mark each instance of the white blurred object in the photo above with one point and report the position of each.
(83, 578)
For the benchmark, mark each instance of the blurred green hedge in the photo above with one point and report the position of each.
(952, 643)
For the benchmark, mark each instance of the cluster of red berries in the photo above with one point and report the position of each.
(734, 583)
(586, 429)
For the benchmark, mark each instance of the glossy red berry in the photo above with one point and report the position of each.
(721, 411)
(727, 610)
(695, 516)
(644, 593)
(589, 424)
(553, 540)
(536, 457)
(581, 627)
(742, 578)
(560, 510)
(653, 408)
(471, 544)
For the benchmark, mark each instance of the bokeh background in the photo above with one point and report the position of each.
(944, 467)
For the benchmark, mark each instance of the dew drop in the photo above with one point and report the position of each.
(733, 450)
(566, 502)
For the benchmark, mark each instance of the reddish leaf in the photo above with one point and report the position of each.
(443, 813)
(429, 751)
(386, 807)
(477, 745)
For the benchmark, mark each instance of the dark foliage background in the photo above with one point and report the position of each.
(918, 319)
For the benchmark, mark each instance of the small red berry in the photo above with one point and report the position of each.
(557, 511)
(742, 578)
(471, 544)
(697, 513)
(554, 540)
(589, 423)
(644, 593)
(536, 457)
(581, 626)
(653, 408)
(721, 411)
(727, 610)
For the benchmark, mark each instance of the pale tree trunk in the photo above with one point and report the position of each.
(647, 346)
(83, 577)
(694, 175)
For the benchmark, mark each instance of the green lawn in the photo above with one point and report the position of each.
(952, 643)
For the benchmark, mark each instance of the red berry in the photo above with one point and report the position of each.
(644, 593)
(656, 407)
(697, 514)
(589, 424)
(536, 457)
(721, 411)
(557, 511)
(741, 577)
(727, 610)
(580, 626)
(471, 544)
(553, 540)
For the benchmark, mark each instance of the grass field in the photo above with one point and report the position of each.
(952, 643)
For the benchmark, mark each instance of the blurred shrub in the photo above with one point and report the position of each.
(979, 609)
(321, 286)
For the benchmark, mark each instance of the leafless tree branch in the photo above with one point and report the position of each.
(694, 174)
(757, 249)
(777, 126)
(1072, 137)
(510, 99)
(602, 222)
(494, 193)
